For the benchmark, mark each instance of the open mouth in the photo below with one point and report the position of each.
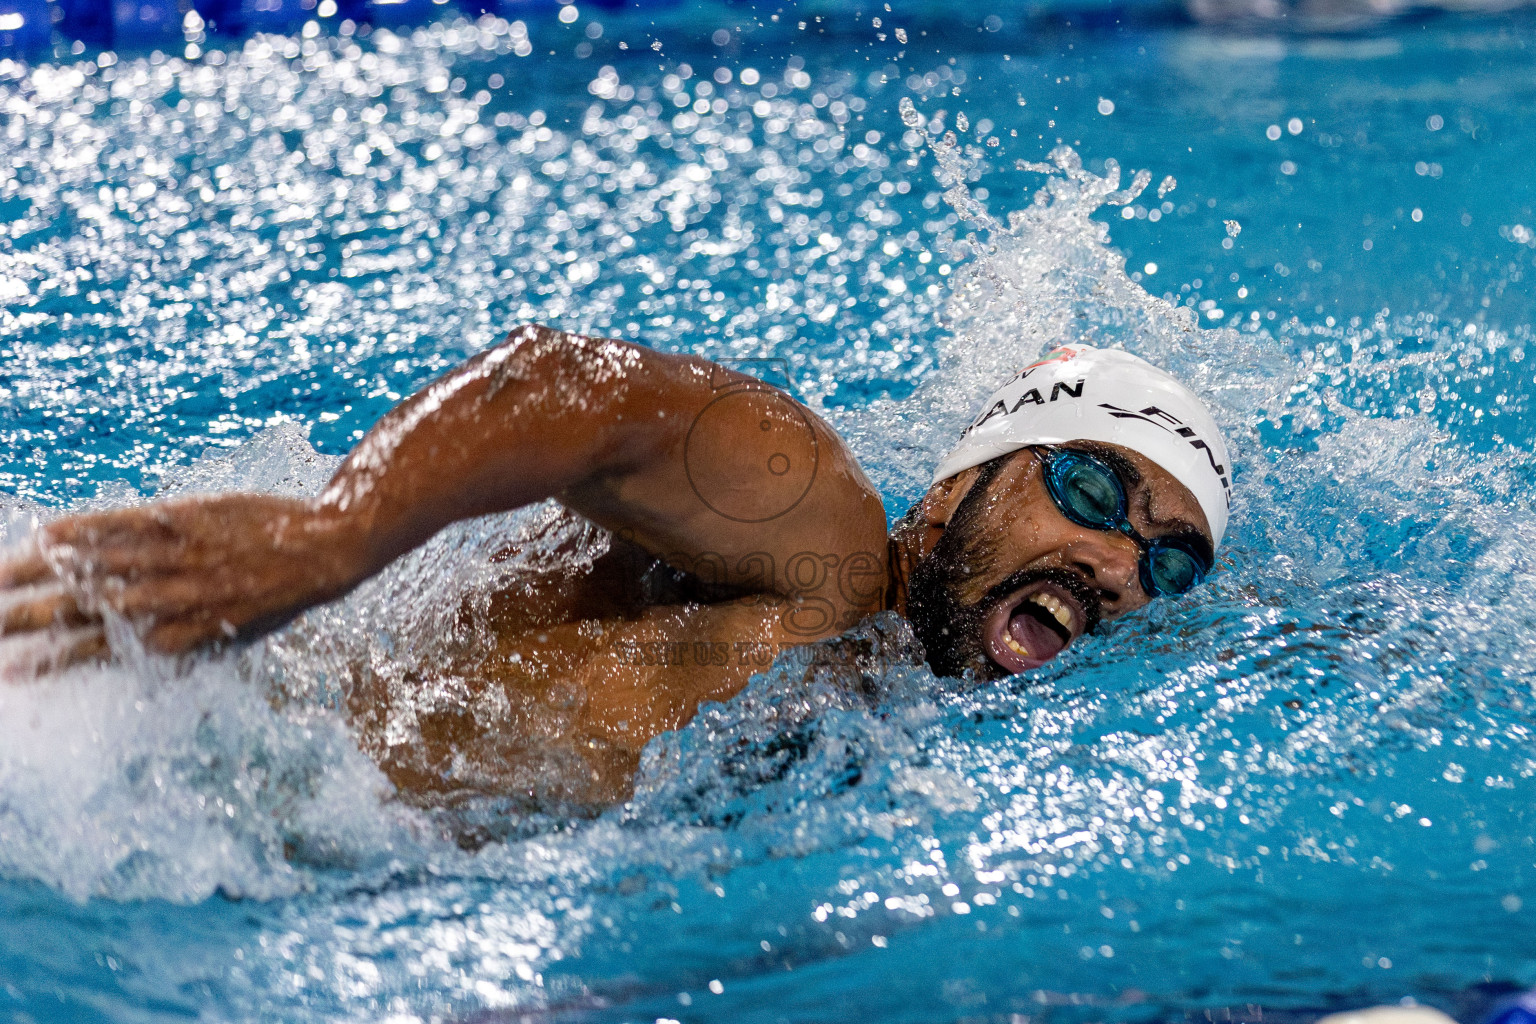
(1032, 625)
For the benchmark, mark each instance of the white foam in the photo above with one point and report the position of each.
(149, 777)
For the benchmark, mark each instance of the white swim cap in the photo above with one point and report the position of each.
(1078, 393)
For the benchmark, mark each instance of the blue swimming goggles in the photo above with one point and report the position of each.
(1089, 492)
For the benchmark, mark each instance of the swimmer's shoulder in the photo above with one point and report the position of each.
(732, 478)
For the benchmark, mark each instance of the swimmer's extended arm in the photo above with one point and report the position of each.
(715, 472)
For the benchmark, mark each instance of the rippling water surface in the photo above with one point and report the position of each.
(1307, 786)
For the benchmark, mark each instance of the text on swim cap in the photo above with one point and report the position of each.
(1181, 430)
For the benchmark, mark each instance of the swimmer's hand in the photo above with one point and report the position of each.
(184, 574)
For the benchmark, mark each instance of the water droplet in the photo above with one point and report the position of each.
(901, 35)
(1106, 107)
(1167, 185)
(909, 115)
(1233, 228)
(962, 123)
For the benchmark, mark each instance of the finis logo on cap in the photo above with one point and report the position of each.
(1190, 437)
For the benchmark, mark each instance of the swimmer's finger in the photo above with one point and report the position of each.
(99, 529)
(204, 626)
(82, 645)
(185, 635)
(39, 607)
(27, 657)
(130, 561)
(173, 597)
(24, 569)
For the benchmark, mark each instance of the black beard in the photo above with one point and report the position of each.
(950, 629)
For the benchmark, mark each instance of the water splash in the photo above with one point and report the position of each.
(151, 779)
(1288, 754)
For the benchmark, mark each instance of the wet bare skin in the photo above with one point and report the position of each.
(579, 676)
(741, 525)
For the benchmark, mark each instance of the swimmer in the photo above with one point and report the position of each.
(737, 524)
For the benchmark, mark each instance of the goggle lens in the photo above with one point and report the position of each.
(1091, 493)
(1172, 570)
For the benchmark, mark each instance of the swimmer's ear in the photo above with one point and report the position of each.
(943, 498)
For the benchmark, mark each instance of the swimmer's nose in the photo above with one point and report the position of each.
(1111, 563)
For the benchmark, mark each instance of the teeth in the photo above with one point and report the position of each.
(1052, 604)
(1015, 646)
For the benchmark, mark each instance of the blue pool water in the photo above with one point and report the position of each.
(1306, 787)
